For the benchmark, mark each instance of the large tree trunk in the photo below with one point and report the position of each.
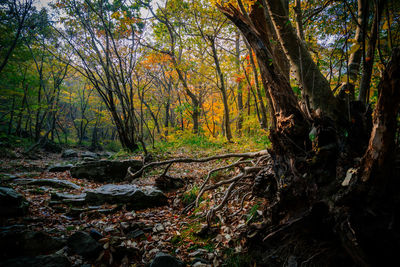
(317, 208)
(315, 86)
(379, 158)
(289, 119)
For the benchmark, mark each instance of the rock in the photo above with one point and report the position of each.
(74, 201)
(199, 252)
(15, 227)
(88, 154)
(54, 260)
(83, 244)
(6, 177)
(57, 183)
(158, 227)
(131, 195)
(96, 235)
(75, 212)
(108, 154)
(52, 147)
(166, 260)
(135, 233)
(60, 168)
(168, 183)
(69, 153)
(63, 196)
(104, 170)
(12, 203)
(14, 243)
(199, 264)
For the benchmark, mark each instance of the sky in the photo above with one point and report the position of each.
(41, 3)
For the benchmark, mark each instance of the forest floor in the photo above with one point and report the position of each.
(161, 229)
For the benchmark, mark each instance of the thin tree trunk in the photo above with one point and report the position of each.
(239, 85)
(10, 123)
(369, 60)
(355, 58)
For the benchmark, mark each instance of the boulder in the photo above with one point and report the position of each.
(69, 153)
(84, 244)
(57, 183)
(52, 147)
(167, 183)
(104, 170)
(12, 203)
(15, 243)
(53, 260)
(60, 168)
(88, 154)
(129, 194)
(165, 260)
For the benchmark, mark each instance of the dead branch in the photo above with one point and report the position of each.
(201, 191)
(131, 175)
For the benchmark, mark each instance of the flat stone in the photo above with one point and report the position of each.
(12, 203)
(88, 154)
(60, 167)
(62, 196)
(57, 183)
(104, 170)
(69, 153)
(75, 201)
(131, 195)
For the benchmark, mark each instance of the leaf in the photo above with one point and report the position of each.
(354, 48)
(385, 25)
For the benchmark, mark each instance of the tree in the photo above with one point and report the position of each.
(14, 15)
(103, 37)
(314, 144)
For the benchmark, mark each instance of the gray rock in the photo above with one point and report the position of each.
(88, 154)
(95, 234)
(69, 153)
(104, 170)
(199, 264)
(168, 183)
(135, 234)
(131, 195)
(83, 244)
(60, 168)
(57, 183)
(6, 177)
(62, 196)
(54, 260)
(12, 203)
(165, 260)
(14, 243)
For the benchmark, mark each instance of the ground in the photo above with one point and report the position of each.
(164, 228)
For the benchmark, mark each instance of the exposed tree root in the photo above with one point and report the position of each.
(131, 175)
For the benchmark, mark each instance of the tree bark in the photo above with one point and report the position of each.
(222, 88)
(379, 158)
(315, 85)
(369, 60)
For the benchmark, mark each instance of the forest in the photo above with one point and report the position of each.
(199, 133)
